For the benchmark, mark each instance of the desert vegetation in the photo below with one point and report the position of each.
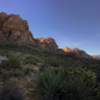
(40, 75)
(10, 91)
(68, 84)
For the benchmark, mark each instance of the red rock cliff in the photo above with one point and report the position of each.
(48, 43)
(14, 30)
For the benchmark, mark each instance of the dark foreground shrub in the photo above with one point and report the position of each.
(78, 89)
(11, 63)
(49, 84)
(72, 85)
(10, 91)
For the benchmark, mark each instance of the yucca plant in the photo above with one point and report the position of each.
(50, 84)
(78, 88)
(57, 84)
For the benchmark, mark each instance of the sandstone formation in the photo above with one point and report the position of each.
(66, 49)
(47, 43)
(76, 52)
(96, 57)
(14, 30)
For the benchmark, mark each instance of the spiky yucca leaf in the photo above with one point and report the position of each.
(50, 83)
(78, 89)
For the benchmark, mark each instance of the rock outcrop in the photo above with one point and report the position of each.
(14, 30)
(96, 57)
(76, 52)
(66, 49)
(47, 43)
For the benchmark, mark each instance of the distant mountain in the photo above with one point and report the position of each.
(96, 56)
(76, 52)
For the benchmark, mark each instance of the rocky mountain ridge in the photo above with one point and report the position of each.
(76, 52)
(15, 30)
(96, 57)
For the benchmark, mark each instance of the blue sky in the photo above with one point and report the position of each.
(72, 23)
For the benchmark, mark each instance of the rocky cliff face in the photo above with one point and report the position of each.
(47, 43)
(14, 30)
(76, 52)
(66, 49)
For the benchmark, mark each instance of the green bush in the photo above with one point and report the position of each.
(32, 59)
(98, 91)
(11, 63)
(77, 72)
(10, 91)
(16, 73)
(5, 76)
(28, 71)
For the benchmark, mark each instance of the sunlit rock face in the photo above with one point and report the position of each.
(96, 57)
(76, 52)
(66, 49)
(14, 30)
(48, 43)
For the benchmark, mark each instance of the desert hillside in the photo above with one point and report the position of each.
(37, 69)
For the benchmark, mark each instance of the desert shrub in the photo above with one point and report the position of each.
(54, 61)
(11, 63)
(77, 71)
(49, 84)
(5, 76)
(30, 60)
(27, 71)
(33, 59)
(98, 91)
(16, 73)
(43, 66)
(10, 91)
(68, 84)
(77, 88)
